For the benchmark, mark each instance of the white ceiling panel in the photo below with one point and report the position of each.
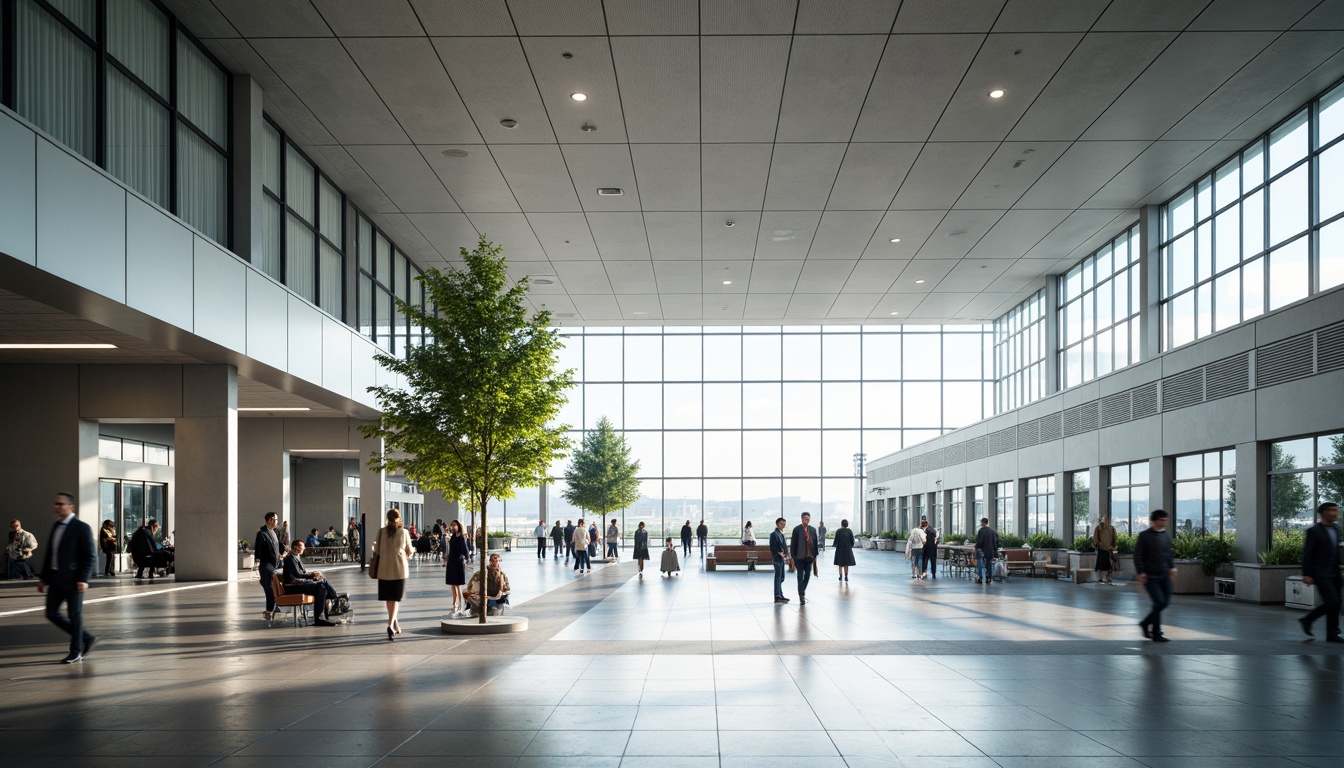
(203, 17)
(320, 72)
(941, 305)
(510, 231)
(941, 174)
(494, 81)
(1149, 170)
(633, 277)
(1193, 67)
(659, 79)
(824, 276)
(713, 276)
(958, 233)
(786, 234)
(474, 181)
(895, 307)
(593, 166)
(589, 72)
(931, 271)
(1252, 14)
(776, 276)
(912, 228)
(855, 306)
(973, 275)
(1015, 166)
(619, 236)
(1084, 169)
(1297, 94)
(404, 175)
(1327, 15)
(913, 84)
(464, 18)
(558, 17)
(584, 277)
(370, 18)
(665, 17)
(747, 17)
(537, 176)
(733, 176)
(873, 276)
(1098, 71)
(412, 241)
(411, 81)
(669, 176)
(987, 306)
(1016, 233)
(674, 236)
(597, 307)
(640, 306)
(735, 242)
(564, 236)
(275, 18)
(1149, 15)
(682, 306)
(742, 80)
(844, 234)
(1077, 228)
(947, 15)
(1215, 155)
(801, 176)
(678, 277)
(766, 306)
(1021, 62)
(278, 100)
(350, 177)
(845, 17)
(810, 305)
(446, 232)
(870, 176)
(1049, 15)
(827, 82)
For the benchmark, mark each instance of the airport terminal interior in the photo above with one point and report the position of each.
(883, 263)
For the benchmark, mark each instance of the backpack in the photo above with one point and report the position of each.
(341, 604)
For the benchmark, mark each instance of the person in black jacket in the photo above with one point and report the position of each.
(297, 579)
(804, 547)
(569, 540)
(986, 549)
(702, 533)
(557, 540)
(686, 533)
(1320, 567)
(1156, 572)
(779, 556)
(67, 569)
(268, 550)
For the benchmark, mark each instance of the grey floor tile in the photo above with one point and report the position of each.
(1036, 743)
(675, 718)
(698, 743)
(473, 743)
(578, 743)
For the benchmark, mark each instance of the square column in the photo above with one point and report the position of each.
(1161, 485)
(372, 490)
(1150, 284)
(1020, 507)
(1063, 501)
(49, 449)
(263, 465)
(1098, 497)
(1252, 511)
(206, 450)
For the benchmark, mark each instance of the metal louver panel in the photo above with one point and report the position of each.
(1330, 349)
(1080, 419)
(1115, 409)
(1050, 427)
(1183, 390)
(1227, 377)
(1028, 433)
(1144, 401)
(1002, 441)
(977, 448)
(1283, 361)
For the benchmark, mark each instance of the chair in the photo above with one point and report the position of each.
(298, 604)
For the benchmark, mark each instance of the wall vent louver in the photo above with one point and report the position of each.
(1002, 441)
(1051, 427)
(1284, 361)
(1144, 401)
(1330, 348)
(1227, 377)
(1115, 409)
(1029, 433)
(1183, 390)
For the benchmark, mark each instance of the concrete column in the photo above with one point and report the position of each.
(372, 487)
(247, 168)
(1253, 521)
(319, 496)
(1064, 508)
(969, 519)
(1161, 488)
(991, 506)
(1051, 335)
(1020, 506)
(49, 449)
(206, 437)
(945, 521)
(1150, 282)
(1098, 497)
(264, 474)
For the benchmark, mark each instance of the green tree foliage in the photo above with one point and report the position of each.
(1288, 494)
(1081, 494)
(601, 476)
(471, 418)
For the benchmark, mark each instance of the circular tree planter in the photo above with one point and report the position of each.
(494, 625)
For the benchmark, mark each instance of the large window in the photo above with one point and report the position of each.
(1129, 497)
(1019, 355)
(1261, 231)
(386, 273)
(1005, 514)
(119, 82)
(1039, 505)
(1099, 312)
(303, 224)
(956, 509)
(1304, 473)
(1206, 492)
(1080, 498)
(735, 424)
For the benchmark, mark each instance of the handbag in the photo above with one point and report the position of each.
(373, 564)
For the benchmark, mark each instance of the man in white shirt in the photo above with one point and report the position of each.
(67, 569)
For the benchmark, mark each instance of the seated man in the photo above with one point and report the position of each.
(312, 540)
(147, 552)
(21, 546)
(298, 580)
(496, 591)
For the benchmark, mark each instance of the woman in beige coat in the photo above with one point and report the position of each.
(393, 548)
(1103, 540)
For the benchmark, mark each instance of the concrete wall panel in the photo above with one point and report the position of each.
(1082, 450)
(363, 369)
(1125, 443)
(159, 264)
(267, 320)
(130, 391)
(305, 340)
(18, 190)
(1303, 407)
(336, 357)
(321, 434)
(220, 296)
(92, 254)
(1219, 424)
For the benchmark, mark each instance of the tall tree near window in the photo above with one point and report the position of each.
(1288, 494)
(601, 476)
(471, 419)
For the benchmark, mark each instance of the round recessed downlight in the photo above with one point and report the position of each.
(997, 93)
(895, 239)
(509, 122)
(584, 96)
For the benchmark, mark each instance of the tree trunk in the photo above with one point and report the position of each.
(485, 558)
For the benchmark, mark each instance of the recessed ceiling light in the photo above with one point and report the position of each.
(609, 192)
(895, 239)
(587, 127)
(541, 279)
(275, 409)
(584, 96)
(509, 122)
(58, 346)
(893, 313)
(727, 282)
(640, 313)
(919, 282)
(997, 93)
(454, 153)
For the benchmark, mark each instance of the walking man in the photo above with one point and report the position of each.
(804, 546)
(702, 533)
(540, 533)
(269, 551)
(557, 540)
(686, 539)
(580, 544)
(821, 537)
(986, 549)
(1156, 572)
(67, 569)
(1320, 567)
(613, 539)
(569, 539)
(779, 554)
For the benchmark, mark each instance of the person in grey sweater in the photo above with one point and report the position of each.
(1156, 572)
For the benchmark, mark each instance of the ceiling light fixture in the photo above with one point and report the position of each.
(275, 409)
(587, 127)
(322, 450)
(639, 313)
(584, 96)
(610, 192)
(895, 239)
(997, 93)
(919, 282)
(727, 282)
(541, 279)
(893, 313)
(57, 346)
(454, 153)
(509, 122)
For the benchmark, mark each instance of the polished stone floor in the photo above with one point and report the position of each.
(700, 669)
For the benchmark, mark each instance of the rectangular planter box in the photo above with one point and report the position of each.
(245, 561)
(1264, 584)
(1082, 560)
(1190, 578)
(1053, 556)
(1126, 565)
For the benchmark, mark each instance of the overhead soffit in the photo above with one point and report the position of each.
(822, 129)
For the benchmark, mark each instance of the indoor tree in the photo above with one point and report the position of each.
(601, 475)
(474, 416)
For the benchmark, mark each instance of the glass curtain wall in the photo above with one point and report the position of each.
(121, 84)
(955, 509)
(1129, 497)
(1099, 312)
(1261, 231)
(385, 273)
(1080, 493)
(1039, 505)
(1304, 473)
(1019, 355)
(732, 424)
(1005, 514)
(1206, 492)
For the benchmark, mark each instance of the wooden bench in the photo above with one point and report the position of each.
(1083, 575)
(1019, 560)
(1055, 570)
(737, 554)
(296, 602)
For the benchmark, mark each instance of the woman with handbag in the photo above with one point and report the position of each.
(641, 547)
(455, 572)
(391, 561)
(107, 541)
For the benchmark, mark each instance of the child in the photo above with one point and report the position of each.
(670, 562)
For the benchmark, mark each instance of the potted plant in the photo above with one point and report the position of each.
(245, 560)
(1052, 548)
(893, 540)
(501, 540)
(1124, 549)
(1083, 554)
(1266, 581)
(1193, 575)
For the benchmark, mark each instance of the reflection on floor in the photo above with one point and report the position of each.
(700, 669)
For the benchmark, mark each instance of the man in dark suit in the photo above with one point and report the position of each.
(67, 569)
(1320, 567)
(779, 555)
(686, 539)
(804, 547)
(269, 550)
(569, 540)
(297, 579)
(702, 534)
(986, 549)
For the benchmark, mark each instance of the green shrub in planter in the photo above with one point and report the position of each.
(1083, 544)
(500, 535)
(1044, 541)
(1213, 552)
(1185, 545)
(1011, 540)
(1124, 543)
(954, 538)
(1284, 549)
